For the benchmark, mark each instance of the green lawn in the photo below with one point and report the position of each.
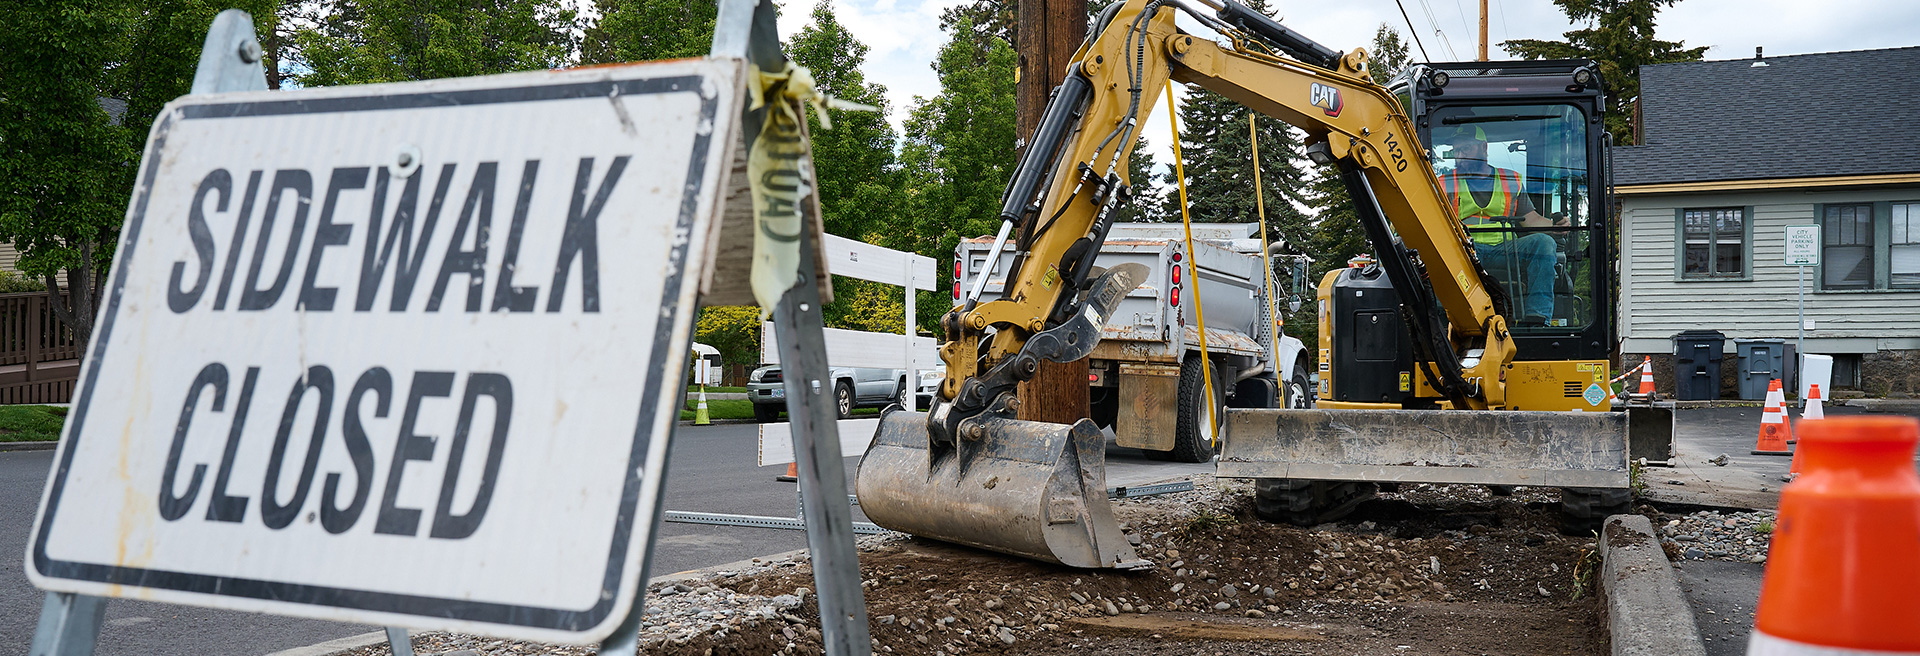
(31, 423)
(743, 409)
(712, 389)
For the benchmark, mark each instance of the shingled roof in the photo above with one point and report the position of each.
(1826, 114)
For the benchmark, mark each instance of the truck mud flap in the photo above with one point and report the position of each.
(1024, 488)
(1560, 449)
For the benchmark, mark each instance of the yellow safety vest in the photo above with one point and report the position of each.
(1474, 214)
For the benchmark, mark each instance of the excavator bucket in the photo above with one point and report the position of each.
(1025, 488)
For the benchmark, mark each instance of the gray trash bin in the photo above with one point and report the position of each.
(1696, 364)
(1761, 362)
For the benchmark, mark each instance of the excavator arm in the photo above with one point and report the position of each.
(967, 471)
(1058, 207)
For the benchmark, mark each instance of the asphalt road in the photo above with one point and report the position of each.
(712, 470)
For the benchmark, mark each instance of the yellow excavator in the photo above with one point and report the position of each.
(1420, 368)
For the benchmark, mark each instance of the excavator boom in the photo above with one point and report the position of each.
(968, 472)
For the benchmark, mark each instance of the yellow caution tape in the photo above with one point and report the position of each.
(780, 168)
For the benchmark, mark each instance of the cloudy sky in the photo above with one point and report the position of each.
(905, 34)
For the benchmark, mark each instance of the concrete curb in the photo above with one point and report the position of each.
(1647, 613)
(341, 646)
(47, 445)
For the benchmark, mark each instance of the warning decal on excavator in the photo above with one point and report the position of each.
(399, 354)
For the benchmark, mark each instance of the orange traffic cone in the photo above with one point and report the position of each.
(1646, 377)
(1842, 571)
(1774, 429)
(793, 473)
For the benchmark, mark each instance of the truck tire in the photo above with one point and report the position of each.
(900, 393)
(1308, 503)
(843, 399)
(766, 412)
(1299, 391)
(1582, 509)
(1103, 406)
(1190, 440)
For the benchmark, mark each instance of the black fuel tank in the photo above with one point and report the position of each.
(1372, 353)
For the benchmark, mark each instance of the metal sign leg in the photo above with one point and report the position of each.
(399, 642)
(823, 477)
(69, 625)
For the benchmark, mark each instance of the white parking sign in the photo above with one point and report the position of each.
(398, 354)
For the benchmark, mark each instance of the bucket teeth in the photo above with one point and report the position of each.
(1025, 488)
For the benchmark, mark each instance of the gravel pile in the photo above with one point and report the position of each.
(1709, 535)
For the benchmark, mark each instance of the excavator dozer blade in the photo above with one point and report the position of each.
(1025, 488)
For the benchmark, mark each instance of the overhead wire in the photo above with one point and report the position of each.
(1435, 22)
(1412, 31)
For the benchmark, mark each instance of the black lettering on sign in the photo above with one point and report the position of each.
(252, 297)
(327, 234)
(240, 222)
(582, 237)
(335, 518)
(180, 300)
(224, 507)
(272, 512)
(460, 260)
(174, 507)
(505, 295)
(445, 523)
(394, 520)
(411, 256)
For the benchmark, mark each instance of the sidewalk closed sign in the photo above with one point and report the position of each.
(397, 354)
(1803, 245)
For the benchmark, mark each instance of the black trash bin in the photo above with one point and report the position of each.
(1762, 361)
(1696, 364)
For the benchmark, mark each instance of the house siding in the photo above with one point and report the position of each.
(1656, 303)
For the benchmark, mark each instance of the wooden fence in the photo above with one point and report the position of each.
(39, 361)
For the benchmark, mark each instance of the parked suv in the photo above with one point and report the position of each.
(853, 387)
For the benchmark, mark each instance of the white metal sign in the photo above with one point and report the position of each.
(1803, 245)
(399, 354)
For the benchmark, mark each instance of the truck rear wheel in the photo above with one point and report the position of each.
(1307, 503)
(1192, 442)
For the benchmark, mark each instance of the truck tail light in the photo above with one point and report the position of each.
(1174, 298)
(1176, 274)
(956, 279)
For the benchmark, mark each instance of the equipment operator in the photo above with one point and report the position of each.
(1494, 199)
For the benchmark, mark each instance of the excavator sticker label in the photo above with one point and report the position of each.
(1050, 278)
(1594, 394)
(1326, 98)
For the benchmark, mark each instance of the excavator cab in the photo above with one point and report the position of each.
(1526, 138)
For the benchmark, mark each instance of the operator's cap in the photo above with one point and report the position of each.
(1463, 133)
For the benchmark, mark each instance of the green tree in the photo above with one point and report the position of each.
(1218, 150)
(1619, 37)
(65, 163)
(732, 330)
(1148, 204)
(957, 155)
(853, 161)
(645, 30)
(363, 41)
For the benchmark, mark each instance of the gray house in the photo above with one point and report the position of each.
(1734, 152)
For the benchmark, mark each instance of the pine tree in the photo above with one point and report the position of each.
(1218, 150)
(1620, 39)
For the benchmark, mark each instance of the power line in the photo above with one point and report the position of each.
(1444, 41)
(1411, 31)
(1503, 20)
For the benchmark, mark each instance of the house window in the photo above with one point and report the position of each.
(1846, 255)
(1714, 243)
(1903, 254)
(1846, 370)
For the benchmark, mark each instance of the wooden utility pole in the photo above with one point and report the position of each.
(1483, 30)
(1048, 32)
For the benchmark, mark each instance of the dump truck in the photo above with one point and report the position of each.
(1145, 374)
